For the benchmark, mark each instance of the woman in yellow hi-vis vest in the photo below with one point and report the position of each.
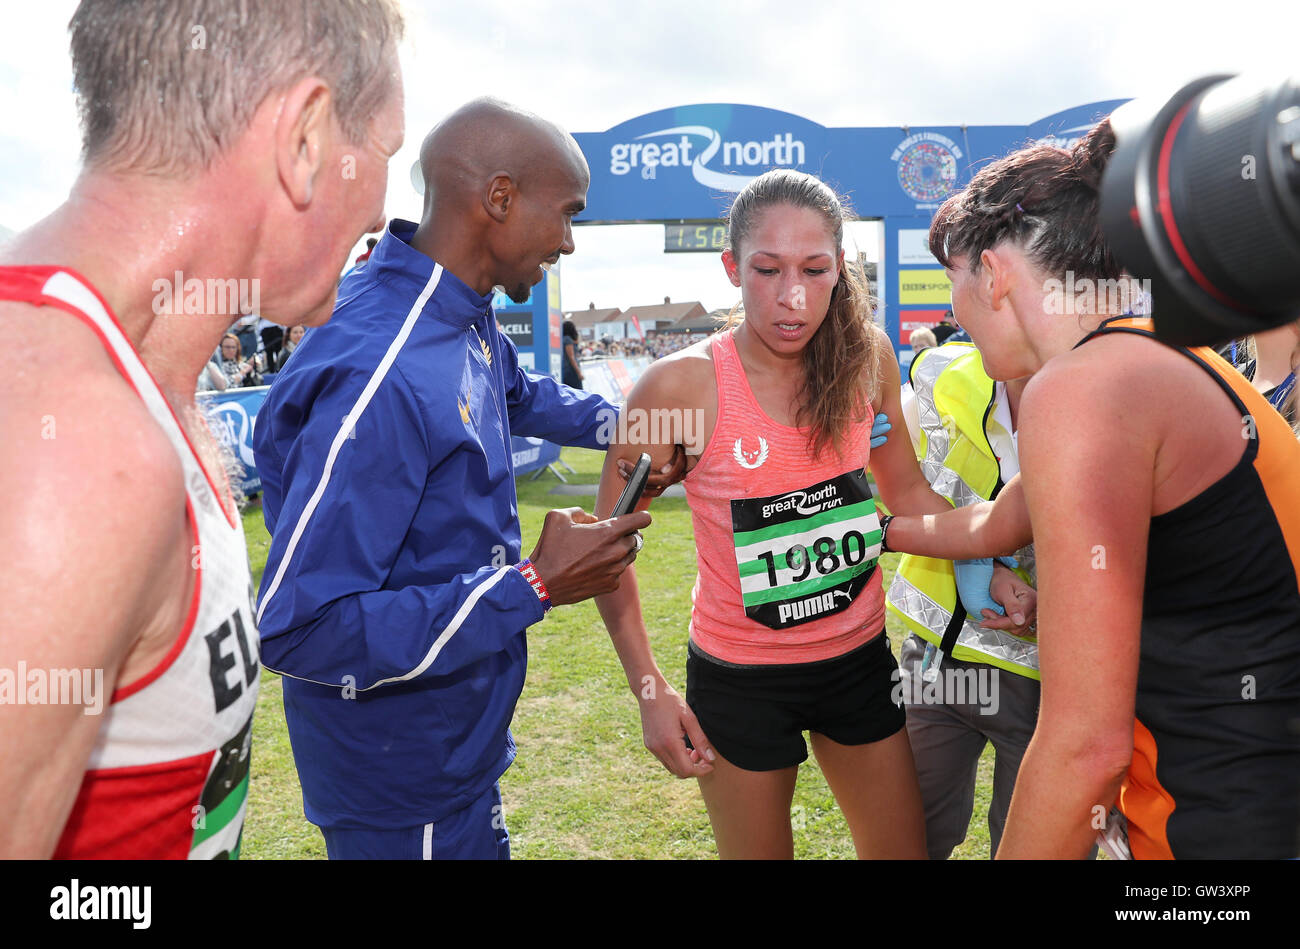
(965, 684)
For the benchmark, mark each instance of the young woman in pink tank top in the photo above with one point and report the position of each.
(787, 619)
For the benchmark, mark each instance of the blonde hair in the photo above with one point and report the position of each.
(923, 338)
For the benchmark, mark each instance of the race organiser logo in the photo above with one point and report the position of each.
(805, 502)
(648, 156)
(927, 167)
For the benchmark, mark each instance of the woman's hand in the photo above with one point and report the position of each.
(666, 721)
(657, 481)
(1017, 597)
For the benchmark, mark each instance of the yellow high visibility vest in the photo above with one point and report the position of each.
(955, 401)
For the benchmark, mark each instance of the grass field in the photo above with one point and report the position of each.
(583, 785)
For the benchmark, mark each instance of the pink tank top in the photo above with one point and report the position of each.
(786, 542)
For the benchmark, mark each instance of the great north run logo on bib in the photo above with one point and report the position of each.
(805, 553)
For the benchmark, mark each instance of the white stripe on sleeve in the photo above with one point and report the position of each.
(349, 422)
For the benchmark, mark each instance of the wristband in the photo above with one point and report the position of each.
(884, 529)
(534, 579)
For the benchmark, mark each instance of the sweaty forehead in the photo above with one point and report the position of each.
(785, 230)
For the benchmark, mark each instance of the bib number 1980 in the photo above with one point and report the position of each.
(806, 553)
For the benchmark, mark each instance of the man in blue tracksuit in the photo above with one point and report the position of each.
(396, 595)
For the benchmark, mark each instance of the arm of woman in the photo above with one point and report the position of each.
(905, 491)
(903, 487)
(665, 716)
(1089, 489)
(988, 529)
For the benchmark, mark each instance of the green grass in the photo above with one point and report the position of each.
(583, 785)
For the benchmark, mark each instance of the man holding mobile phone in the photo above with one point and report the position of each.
(396, 595)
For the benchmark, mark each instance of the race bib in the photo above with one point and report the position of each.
(806, 553)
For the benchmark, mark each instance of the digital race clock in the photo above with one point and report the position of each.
(697, 236)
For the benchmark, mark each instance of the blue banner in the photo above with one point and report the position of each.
(532, 453)
(687, 163)
(232, 415)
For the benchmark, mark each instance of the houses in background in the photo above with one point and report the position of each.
(666, 318)
(637, 321)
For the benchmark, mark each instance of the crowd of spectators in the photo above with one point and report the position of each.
(250, 354)
(255, 349)
(655, 346)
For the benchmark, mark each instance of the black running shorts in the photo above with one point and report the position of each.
(755, 716)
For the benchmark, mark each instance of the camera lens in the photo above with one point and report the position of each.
(1202, 197)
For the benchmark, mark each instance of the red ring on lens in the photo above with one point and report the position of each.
(1165, 206)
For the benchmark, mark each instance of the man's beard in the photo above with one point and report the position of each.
(520, 293)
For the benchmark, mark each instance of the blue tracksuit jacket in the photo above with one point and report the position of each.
(389, 603)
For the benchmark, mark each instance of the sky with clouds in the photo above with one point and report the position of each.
(589, 66)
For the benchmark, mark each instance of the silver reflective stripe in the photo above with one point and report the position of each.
(948, 483)
(945, 481)
(916, 606)
(995, 643)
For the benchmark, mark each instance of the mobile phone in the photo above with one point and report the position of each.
(635, 486)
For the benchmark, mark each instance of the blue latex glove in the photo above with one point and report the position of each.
(880, 429)
(973, 579)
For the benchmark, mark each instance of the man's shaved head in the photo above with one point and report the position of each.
(501, 189)
(488, 137)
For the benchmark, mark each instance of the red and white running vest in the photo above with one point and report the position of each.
(168, 776)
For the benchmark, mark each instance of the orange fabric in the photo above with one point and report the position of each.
(751, 456)
(1146, 805)
(1276, 461)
